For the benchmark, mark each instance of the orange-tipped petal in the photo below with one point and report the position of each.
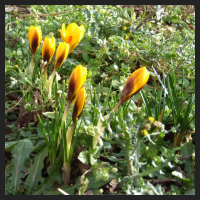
(136, 81)
(76, 81)
(61, 54)
(48, 49)
(79, 103)
(34, 37)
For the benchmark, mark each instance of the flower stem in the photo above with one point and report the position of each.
(63, 120)
(117, 106)
(69, 139)
(129, 162)
(66, 173)
(31, 66)
(45, 73)
(50, 82)
(66, 111)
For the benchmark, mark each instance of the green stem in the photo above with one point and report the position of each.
(137, 151)
(136, 146)
(128, 152)
(31, 66)
(63, 121)
(151, 170)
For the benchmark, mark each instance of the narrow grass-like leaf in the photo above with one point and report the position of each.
(146, 104)
(158, 76)
(156, 106)
(105, 103)
(182, 85)
(187, 113)
(62, 103)
(44, 132)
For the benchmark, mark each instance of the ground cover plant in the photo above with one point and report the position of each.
(99, 100)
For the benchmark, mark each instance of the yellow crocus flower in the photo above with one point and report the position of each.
(136, 81)
(48, 49)
(34, 37)
(61, 54)
(72, 35)
(79, 103)
(76, 81)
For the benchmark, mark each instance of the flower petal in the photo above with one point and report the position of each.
(79, 103)
(34, 37)
(48, 49)
(61, 54)
(136, 81)
(76, 81)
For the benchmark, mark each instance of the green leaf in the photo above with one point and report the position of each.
(54, 174)
(10, 145)
(8, 53)
(92, 184)
(85, 57)
(50, 115)
(186, 120)
(190, 192)
(39, 145)
(146, 104)
(187, 150)
(20, 153)
(35, 171)
(83, 157)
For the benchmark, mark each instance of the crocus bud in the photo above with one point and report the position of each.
(34, 37)
(136, 81)
(48, 49)
(61, 54)
(76, 81)
(79, 103)
(72, 35)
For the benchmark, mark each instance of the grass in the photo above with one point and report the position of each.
(164, 43)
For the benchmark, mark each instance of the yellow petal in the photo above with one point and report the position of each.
(61, 54)
(79, 103)
(63, 27)
(48, 49)
(70, 28)
(76, 81)
(82, 32)
(34, 37)
(136, 81)
(62, 34)
(72, 35)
